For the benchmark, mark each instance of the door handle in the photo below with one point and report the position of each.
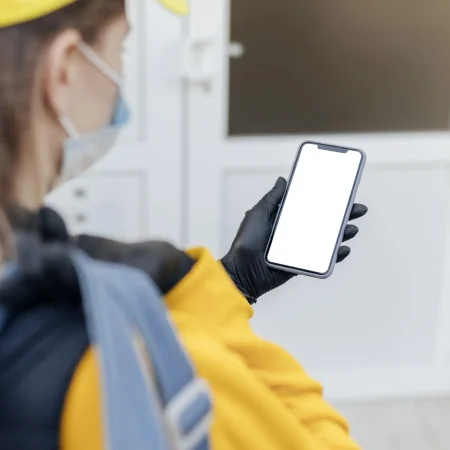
(236, 50)
(198, 57)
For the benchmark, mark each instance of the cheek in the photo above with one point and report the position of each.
(93, 102)
(116, 61)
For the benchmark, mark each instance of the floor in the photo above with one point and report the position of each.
(401, 425)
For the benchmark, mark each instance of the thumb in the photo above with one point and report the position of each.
(273, 198)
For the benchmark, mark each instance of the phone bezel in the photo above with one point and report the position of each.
(329, 272)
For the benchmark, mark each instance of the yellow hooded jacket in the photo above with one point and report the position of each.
(263, 399)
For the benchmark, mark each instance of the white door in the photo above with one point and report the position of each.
(381, 325)
(136, 192)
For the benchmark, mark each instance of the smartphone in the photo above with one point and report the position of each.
(316, 207)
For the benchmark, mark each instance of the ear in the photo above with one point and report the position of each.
(59, 69)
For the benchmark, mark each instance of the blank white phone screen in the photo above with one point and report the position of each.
(314, 208)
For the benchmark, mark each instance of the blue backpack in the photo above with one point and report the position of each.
(152, 397)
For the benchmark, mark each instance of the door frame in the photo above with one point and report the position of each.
(213, 155)
(153, 145)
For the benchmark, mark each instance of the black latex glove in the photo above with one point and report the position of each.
(245, 261)
(161, 261)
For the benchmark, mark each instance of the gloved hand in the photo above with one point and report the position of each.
(161, 261)
(245, 261)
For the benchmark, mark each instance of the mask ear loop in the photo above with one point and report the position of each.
(98, 62)
(101, 65)
(68, 126)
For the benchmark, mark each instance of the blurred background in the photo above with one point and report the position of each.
(223, 99)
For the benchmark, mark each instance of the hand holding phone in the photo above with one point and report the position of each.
(245, 262)
(317, 205)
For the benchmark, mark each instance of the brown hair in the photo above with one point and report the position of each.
(20, 48)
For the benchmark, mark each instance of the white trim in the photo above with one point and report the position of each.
(442, 354)
(400, 148)
(203, 113)
(115, 161)
(374, 383)
(163, 97)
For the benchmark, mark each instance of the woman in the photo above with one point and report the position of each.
(60, 109)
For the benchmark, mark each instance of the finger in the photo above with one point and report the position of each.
(350, 232)
(273, 198)
(343, 253)
(358, 211)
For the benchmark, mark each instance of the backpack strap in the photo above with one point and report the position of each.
(174, 412)
(123, 309)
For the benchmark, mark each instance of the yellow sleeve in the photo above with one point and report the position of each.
(81, 421)
(262, 398)
(210, 295)
(247, 415)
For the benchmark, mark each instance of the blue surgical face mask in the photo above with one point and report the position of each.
(82, 151)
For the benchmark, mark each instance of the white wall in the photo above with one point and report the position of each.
(381, 325)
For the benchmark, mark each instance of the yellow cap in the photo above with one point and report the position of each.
(13, 12)
(180, 7)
